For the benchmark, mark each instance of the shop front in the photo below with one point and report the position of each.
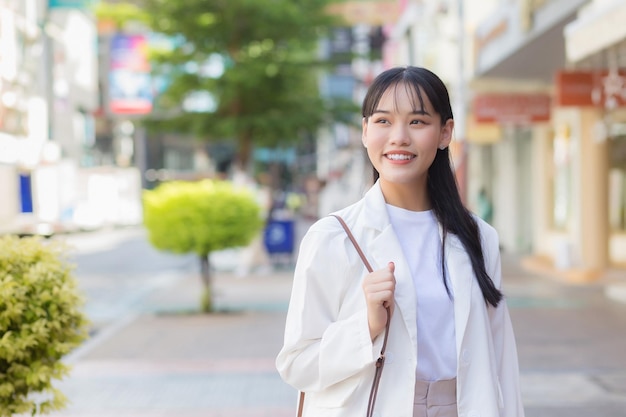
(591, 96)
(574, 161)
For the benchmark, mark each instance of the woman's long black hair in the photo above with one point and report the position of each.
(446, 202)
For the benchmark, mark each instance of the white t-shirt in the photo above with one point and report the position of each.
(418, 233)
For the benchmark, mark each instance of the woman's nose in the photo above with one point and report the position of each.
(399, 135)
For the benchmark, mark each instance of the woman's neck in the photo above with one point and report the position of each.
(412, 196)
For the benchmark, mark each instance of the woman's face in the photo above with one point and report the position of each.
(402, 139)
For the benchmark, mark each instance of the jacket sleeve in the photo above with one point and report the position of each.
(325, 341)
(503, 338)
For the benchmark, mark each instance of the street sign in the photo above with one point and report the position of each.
(70, 4)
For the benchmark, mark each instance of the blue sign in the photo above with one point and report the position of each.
(278, 236)
(70, 4)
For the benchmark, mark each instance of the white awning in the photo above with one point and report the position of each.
(598, 26)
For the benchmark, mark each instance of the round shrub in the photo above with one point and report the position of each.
(200, 217)
(41, 320)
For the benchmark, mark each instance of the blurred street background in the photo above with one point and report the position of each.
(102, 101)
(150, 357)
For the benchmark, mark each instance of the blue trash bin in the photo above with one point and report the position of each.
(278, 236)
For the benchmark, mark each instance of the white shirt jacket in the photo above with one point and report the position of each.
(327, 349)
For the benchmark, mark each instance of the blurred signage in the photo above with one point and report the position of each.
(512, 108)
(591, 88)
(70, 4)
(130, 83)
(371, 12)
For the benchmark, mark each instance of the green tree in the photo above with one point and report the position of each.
(252, 63)
(40, 322)
(201, 217)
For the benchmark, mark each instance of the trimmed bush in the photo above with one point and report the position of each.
(201, 217)
(40, 322)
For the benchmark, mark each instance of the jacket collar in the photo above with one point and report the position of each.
(375, 212)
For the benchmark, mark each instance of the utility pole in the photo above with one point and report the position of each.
(47, 75)
(460, 113)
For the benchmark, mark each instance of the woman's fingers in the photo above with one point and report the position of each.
(379, 287)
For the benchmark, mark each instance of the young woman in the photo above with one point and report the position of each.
(451, 349)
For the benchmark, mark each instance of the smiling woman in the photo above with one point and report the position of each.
(436, 276)
(402, 136)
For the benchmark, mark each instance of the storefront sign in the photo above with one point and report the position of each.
(512, 108)
(590, 88)
(130, 83)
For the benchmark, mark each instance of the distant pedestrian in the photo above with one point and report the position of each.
(451, 349)
(485, 207)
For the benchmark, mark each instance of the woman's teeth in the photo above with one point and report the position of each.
(399, 157)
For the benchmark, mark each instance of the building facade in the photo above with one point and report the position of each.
(549, 89)
(50, 178)
(539, 92)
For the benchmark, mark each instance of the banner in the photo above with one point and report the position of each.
(130, 82)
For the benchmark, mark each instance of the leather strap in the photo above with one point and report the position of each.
(380, 362)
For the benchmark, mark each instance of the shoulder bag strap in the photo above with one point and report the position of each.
(380, 362)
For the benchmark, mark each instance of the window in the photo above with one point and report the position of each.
(562, 177)
(617, 184)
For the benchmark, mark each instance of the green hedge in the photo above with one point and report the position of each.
(41, 320)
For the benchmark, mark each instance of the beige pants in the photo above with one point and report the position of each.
(435, 399)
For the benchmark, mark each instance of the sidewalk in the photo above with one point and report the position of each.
(165, 361)
(613, 280)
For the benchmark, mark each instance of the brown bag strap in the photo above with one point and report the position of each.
(354, 242)
(380, 362)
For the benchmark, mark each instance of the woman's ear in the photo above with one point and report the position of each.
(446, 134)
(364, 131)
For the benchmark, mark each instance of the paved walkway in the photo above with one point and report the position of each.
(165, 361)
(169, 361)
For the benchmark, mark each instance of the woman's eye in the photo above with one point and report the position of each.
(416, 122)
(384, 121)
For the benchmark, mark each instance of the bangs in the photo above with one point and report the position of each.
(417, 82)
(413, 91)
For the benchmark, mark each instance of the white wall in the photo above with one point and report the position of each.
(9, 196)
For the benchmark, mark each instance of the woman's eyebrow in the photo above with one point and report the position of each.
(421, 112)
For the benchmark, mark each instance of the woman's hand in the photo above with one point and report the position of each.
(378, 287)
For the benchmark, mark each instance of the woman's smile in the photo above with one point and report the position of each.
(400, 157)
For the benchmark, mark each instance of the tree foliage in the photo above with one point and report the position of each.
(256, 59)
(201, 217)
(40, 322)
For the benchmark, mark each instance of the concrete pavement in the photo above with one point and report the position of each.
(165, 361)
(169, 361)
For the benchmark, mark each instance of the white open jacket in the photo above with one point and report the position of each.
(328, 352)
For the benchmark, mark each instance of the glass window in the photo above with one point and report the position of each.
(617, 184)
(561, 179)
